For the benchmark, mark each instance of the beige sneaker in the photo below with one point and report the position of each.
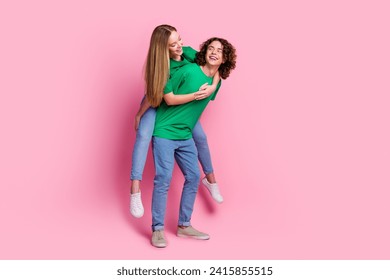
(192, 233)
(158, 239)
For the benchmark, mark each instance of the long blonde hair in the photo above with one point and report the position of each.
(157, 64)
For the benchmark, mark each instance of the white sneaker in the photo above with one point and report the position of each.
(136, 207)
(213, 189)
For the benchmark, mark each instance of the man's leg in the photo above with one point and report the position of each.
(186, 158)
(163, 152)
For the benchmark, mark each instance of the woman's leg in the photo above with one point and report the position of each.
(140, 152)
(141, 145)
(204, 157)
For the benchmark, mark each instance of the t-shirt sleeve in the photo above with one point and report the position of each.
(189, 54)
(168, 87)
(175, 82)
(216, 91)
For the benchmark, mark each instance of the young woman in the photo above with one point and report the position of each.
(166, 54)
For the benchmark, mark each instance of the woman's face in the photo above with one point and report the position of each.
(175, 45)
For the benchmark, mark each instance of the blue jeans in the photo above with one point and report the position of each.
(144, 135)
(141, 145)
(202, 146)
(165, 152)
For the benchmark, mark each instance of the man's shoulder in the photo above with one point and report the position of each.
(191, 71)
(186, 70)
(190, 67)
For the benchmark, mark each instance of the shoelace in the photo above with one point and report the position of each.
(137, 203)
(215, 190)
(160, 235)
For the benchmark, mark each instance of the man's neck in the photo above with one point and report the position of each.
(209, 70)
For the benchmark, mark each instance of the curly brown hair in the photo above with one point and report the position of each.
(229, 56)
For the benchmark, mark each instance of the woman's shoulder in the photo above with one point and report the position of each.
(189, 49)
(189, 53)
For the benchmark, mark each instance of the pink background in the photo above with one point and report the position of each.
(299, 133)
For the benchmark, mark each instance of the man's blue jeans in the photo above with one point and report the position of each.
(165, 152)
(144, 135)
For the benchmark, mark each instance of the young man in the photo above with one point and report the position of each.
(172, 136)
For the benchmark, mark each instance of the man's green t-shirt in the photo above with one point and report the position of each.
(176, 122)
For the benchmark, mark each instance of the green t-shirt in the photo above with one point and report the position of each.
(176, 122)
(188, 57)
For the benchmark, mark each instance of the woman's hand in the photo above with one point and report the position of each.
(204, 91)
(136, 121)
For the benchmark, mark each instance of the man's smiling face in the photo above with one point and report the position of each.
(214, 54)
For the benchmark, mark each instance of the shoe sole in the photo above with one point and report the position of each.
(137, 216)
(159, 246)
(193, 236)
